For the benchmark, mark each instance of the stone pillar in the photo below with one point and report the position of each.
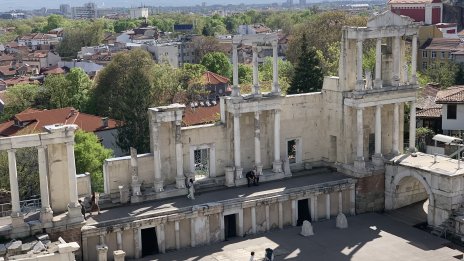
(359, 69)
(378, 64)
(180, 183)
(281, 216)
(412, 127)
(159, 183)
(275, 69)
(377, 158)
(414, 60)
(14, 189)
(46, 213)
(314, 213)
(160, 235)
(74, 208)
(237, 152)
(327, 206)
(258, 164)
(359, 163)
(135, 184)
(340, 202)
(177, 232)
(102, 252)
(192, 232)
(352, 201)
(256, 89)
(119, 239)
(268, 221)
(253, 220)
(235, 87)
(240, 222)
(119, 255)
(222, 226)
(396, 61)
(277, 164)
(396, 129)
(137, 243)
(294, 212)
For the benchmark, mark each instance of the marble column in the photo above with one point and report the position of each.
(378, 64)
(74, 208)
(275, 69)
(119, 255)
(340, 202)
(177, 234)
(377, 157)
(256, 88)
(222, 226)
(119, 240)
(161, 237)
(235, 87)
(277, 164)
(159, 183)
(313, 207)
(359, 163)
(396, 61)
(102, 251)
(14, 189)
(294, 212)
(46, 213)
(137, 243)
(258, 164)
(268, 221)
(237, 151)
(414, 60)
(396, 129)
(192, 232)
(327, 206)
(359, 69)
(240, 222)
(352, 201)
(180, 182)
(412, 127)
(253, 220)
(281, 215)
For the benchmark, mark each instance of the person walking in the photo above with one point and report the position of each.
(94, 204)
(191, 189)
(252, 256)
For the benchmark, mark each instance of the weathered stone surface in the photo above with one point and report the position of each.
(68, 247)
(307, 229)
(27, 246)
(342, 222)
(2, 249)
(15, 247)
(42, 237)
(38, 247)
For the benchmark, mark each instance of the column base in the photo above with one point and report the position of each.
(74, 213)
(180, 182)
(238, 172)
(378, 84)
(229, 177)
(19, 227)
(360, 163)
(259, 169)
(46, 215)
(159, 186)
(377, 160)
(275, 89)
(413, 79)
(235, 91)
(277, 166)
(395, 152)
(136, 189)
(17, 219)
(136, 199)
(359, 85)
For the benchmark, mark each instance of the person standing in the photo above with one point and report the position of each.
(252, 256)
(82, 208)
(94, 204)
(191, 189)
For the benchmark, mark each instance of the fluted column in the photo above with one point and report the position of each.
(46, 213)
(412, 127)
(72, 174)
(275, 69)
(180, 183)
(235, 87)
(277, 164)
(359, 163)
(14, 189)
(414, 60)
(158, 184)
(396, 61)
(258, 164)
(377, 158)
(256, 89)
(237, 152)
(396, 129)
(359, 62)
(378, 64)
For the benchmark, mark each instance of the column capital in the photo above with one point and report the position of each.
(70, 143)
(360, 108)
(379, 106)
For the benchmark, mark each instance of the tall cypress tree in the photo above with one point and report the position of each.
(308, 76)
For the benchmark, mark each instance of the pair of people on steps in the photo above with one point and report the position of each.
(252, 177)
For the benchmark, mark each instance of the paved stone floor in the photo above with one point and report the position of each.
(369, 237)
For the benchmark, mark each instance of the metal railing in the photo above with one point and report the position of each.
(27, 206)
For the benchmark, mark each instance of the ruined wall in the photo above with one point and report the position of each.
(410, 191)
(58, 177)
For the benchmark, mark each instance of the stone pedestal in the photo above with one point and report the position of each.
(360, 164)
(180, 182)
(46, 215)
(259, 169)
(74, 213)
(119, 255)
(277, 166)
(102, 252)
(19, 227)
(377, 160)
(307, 229)
(341, 222)
(229, 175)
(238, 173)
(286, 167)
(159, 185)
(124, 195)
(136, 193)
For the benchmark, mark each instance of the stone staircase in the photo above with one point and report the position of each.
(449, 227)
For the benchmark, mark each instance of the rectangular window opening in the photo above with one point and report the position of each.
(451, 111)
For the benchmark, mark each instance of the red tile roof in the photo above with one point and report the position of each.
(426, 97)
(18, 80)
(7, 70)
(201, 115)
(34, 120)
(451, 95)
(413, 1)
(210, 78)
(429, 113)
(53, 70)
(443, 44)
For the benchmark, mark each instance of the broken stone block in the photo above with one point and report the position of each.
(52, 247)
(68, 247)
(42, 237)
(307, 229)
(27, 246)
(15, 248)
(341, 222)
(2, 249)
(38, 247)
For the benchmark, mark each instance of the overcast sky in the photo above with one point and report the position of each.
(6, 5)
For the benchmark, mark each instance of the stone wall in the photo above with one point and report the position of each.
(370, 193)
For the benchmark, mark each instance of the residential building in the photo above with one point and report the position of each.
(428, 112)
(65, 10)
(88, 11)
(427, 11)
(449, 30)
(253, 29)
(42, 59)
(215, 86)
(166, 53)
(452, 100)
(135, 13)
(437, 51)
(33, 120)
(35, 40)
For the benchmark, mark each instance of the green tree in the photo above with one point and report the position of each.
(18, 98)
(286, 71)
(217, 62)
(193, 71)
(55, 21)
(308, 75)
(82, 34)
(90, 155)
(329, 59)
(245, 74)
(442, 73)
(214, 26)
(123, 25)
